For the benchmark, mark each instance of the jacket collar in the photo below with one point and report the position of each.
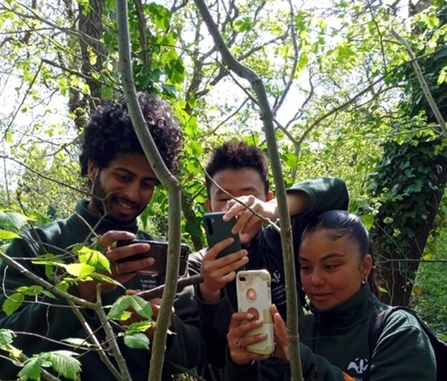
(352, 311)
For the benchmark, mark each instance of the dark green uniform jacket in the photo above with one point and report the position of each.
(334, 347)
(265, 253)
(52, 319)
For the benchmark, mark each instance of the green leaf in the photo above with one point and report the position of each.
(12, 221)
(92, 257)
(119, 307)
(7, 234)
(6, 337)
(78, 269)
(136, 340)
(12, 303)
(139, 305)
(8, 137)
(141, 326)
(32, 368)
(63, 362)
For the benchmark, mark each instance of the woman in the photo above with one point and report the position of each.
(336, 274)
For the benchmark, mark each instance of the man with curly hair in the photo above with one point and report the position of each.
(122, 183)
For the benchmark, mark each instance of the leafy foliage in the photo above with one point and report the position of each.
(344, 97)
(63, 362)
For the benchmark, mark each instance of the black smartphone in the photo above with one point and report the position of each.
(158, 251)
(217, 230)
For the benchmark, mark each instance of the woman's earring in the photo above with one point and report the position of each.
(365, 280)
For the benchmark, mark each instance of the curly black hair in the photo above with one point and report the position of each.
(110, 132)
(237, 155)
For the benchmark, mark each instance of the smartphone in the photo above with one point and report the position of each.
(254, 295)
(158, 251)
(217, 229)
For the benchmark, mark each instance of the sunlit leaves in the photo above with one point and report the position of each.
(159, 15)
(92, 257)
(243, 24)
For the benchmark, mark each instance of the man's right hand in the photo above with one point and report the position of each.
(217, 272)
(121, 272)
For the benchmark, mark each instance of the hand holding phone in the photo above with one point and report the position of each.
(217, 230)
(254, 296)
(159, 251)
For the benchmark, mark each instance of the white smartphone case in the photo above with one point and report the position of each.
(254, 295)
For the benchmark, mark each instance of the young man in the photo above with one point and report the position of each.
(242, 171)
(122, 184)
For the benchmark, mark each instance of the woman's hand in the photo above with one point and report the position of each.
(239, 338)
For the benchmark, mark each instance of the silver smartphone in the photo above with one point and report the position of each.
(254, 295)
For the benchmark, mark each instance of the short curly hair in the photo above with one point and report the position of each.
(110, 132)
(237, 155)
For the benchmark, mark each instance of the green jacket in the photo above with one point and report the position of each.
(52, 319)
(265, 252)
(334, 347)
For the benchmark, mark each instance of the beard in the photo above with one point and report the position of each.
(104, 202)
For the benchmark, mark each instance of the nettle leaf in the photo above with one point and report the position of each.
(63, 362)
(136, 340)
(12, 303)
(6, 337)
